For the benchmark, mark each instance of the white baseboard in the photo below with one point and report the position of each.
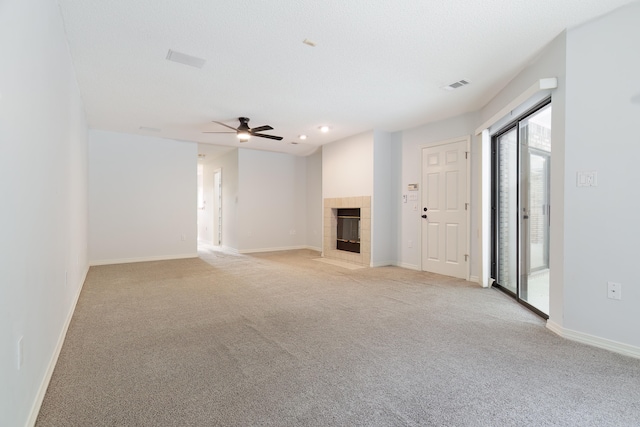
(382, 264)
(141, 259)
(475, 279)
(408, 266)
(42, 390)
(313, 248)
(581, 337)
(282, 248)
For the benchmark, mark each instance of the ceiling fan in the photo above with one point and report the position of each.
(244, 132)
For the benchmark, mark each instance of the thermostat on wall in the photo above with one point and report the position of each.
(413, 187)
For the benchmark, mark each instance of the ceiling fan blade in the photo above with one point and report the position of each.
(261, 128)
(225, 125)
(262, 135)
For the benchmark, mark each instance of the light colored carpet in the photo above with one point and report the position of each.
(338, 263)
(278, 339)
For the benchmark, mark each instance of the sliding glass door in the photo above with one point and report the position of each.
(521, 209)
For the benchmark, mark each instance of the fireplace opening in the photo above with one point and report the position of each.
(348, 235)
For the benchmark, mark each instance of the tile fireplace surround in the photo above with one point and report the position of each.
(331, 207)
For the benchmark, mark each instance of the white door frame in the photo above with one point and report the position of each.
(467, 140)
(217, 207)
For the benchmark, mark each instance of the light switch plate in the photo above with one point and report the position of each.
(587, 179)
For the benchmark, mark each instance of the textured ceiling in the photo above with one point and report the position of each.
(376, 65)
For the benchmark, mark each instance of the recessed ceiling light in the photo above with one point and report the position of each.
(183, 58)
(302, 137)
(294, 143)
(324, 129)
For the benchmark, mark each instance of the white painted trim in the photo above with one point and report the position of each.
(484, 212)
(542, 84)
(141, 259)
(409, 266)
(606, 344)
(313, 248)
(468, 201)
(381, 264)
(475, 279)
(283, 248)
(42, 390)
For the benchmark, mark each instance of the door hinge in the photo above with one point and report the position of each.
(466, 206)
(466, 154)
(466, 257)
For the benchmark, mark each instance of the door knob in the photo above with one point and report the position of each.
(425, 209)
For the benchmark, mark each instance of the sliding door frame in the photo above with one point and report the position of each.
(514, 124)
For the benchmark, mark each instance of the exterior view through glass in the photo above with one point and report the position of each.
(522, 157)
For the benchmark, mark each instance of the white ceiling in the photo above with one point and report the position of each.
(377, 64)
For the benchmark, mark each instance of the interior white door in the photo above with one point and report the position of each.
(444, 215)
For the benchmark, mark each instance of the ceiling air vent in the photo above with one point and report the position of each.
(183, 58)
(456, 85)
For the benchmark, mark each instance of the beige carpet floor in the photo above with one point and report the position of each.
(279, 339)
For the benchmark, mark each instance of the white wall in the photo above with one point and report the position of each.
(314, 200)
(347, 167)
(43, 182)
(601, 229)
(142, 198)
(409, 225)
(382, 201)
(272, 210)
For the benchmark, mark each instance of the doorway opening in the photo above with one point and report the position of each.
(209, 205)
(217, 208)
(520, 207)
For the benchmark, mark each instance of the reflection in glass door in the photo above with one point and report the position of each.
(520, 262)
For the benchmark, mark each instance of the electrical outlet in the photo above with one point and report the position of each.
(614, 290)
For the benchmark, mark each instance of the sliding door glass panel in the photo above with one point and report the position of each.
(535, 155)
(507, 210)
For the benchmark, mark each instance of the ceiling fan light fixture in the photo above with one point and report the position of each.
(243, 136)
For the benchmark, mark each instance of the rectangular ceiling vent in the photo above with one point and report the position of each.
(183, 58)
(456, 85)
